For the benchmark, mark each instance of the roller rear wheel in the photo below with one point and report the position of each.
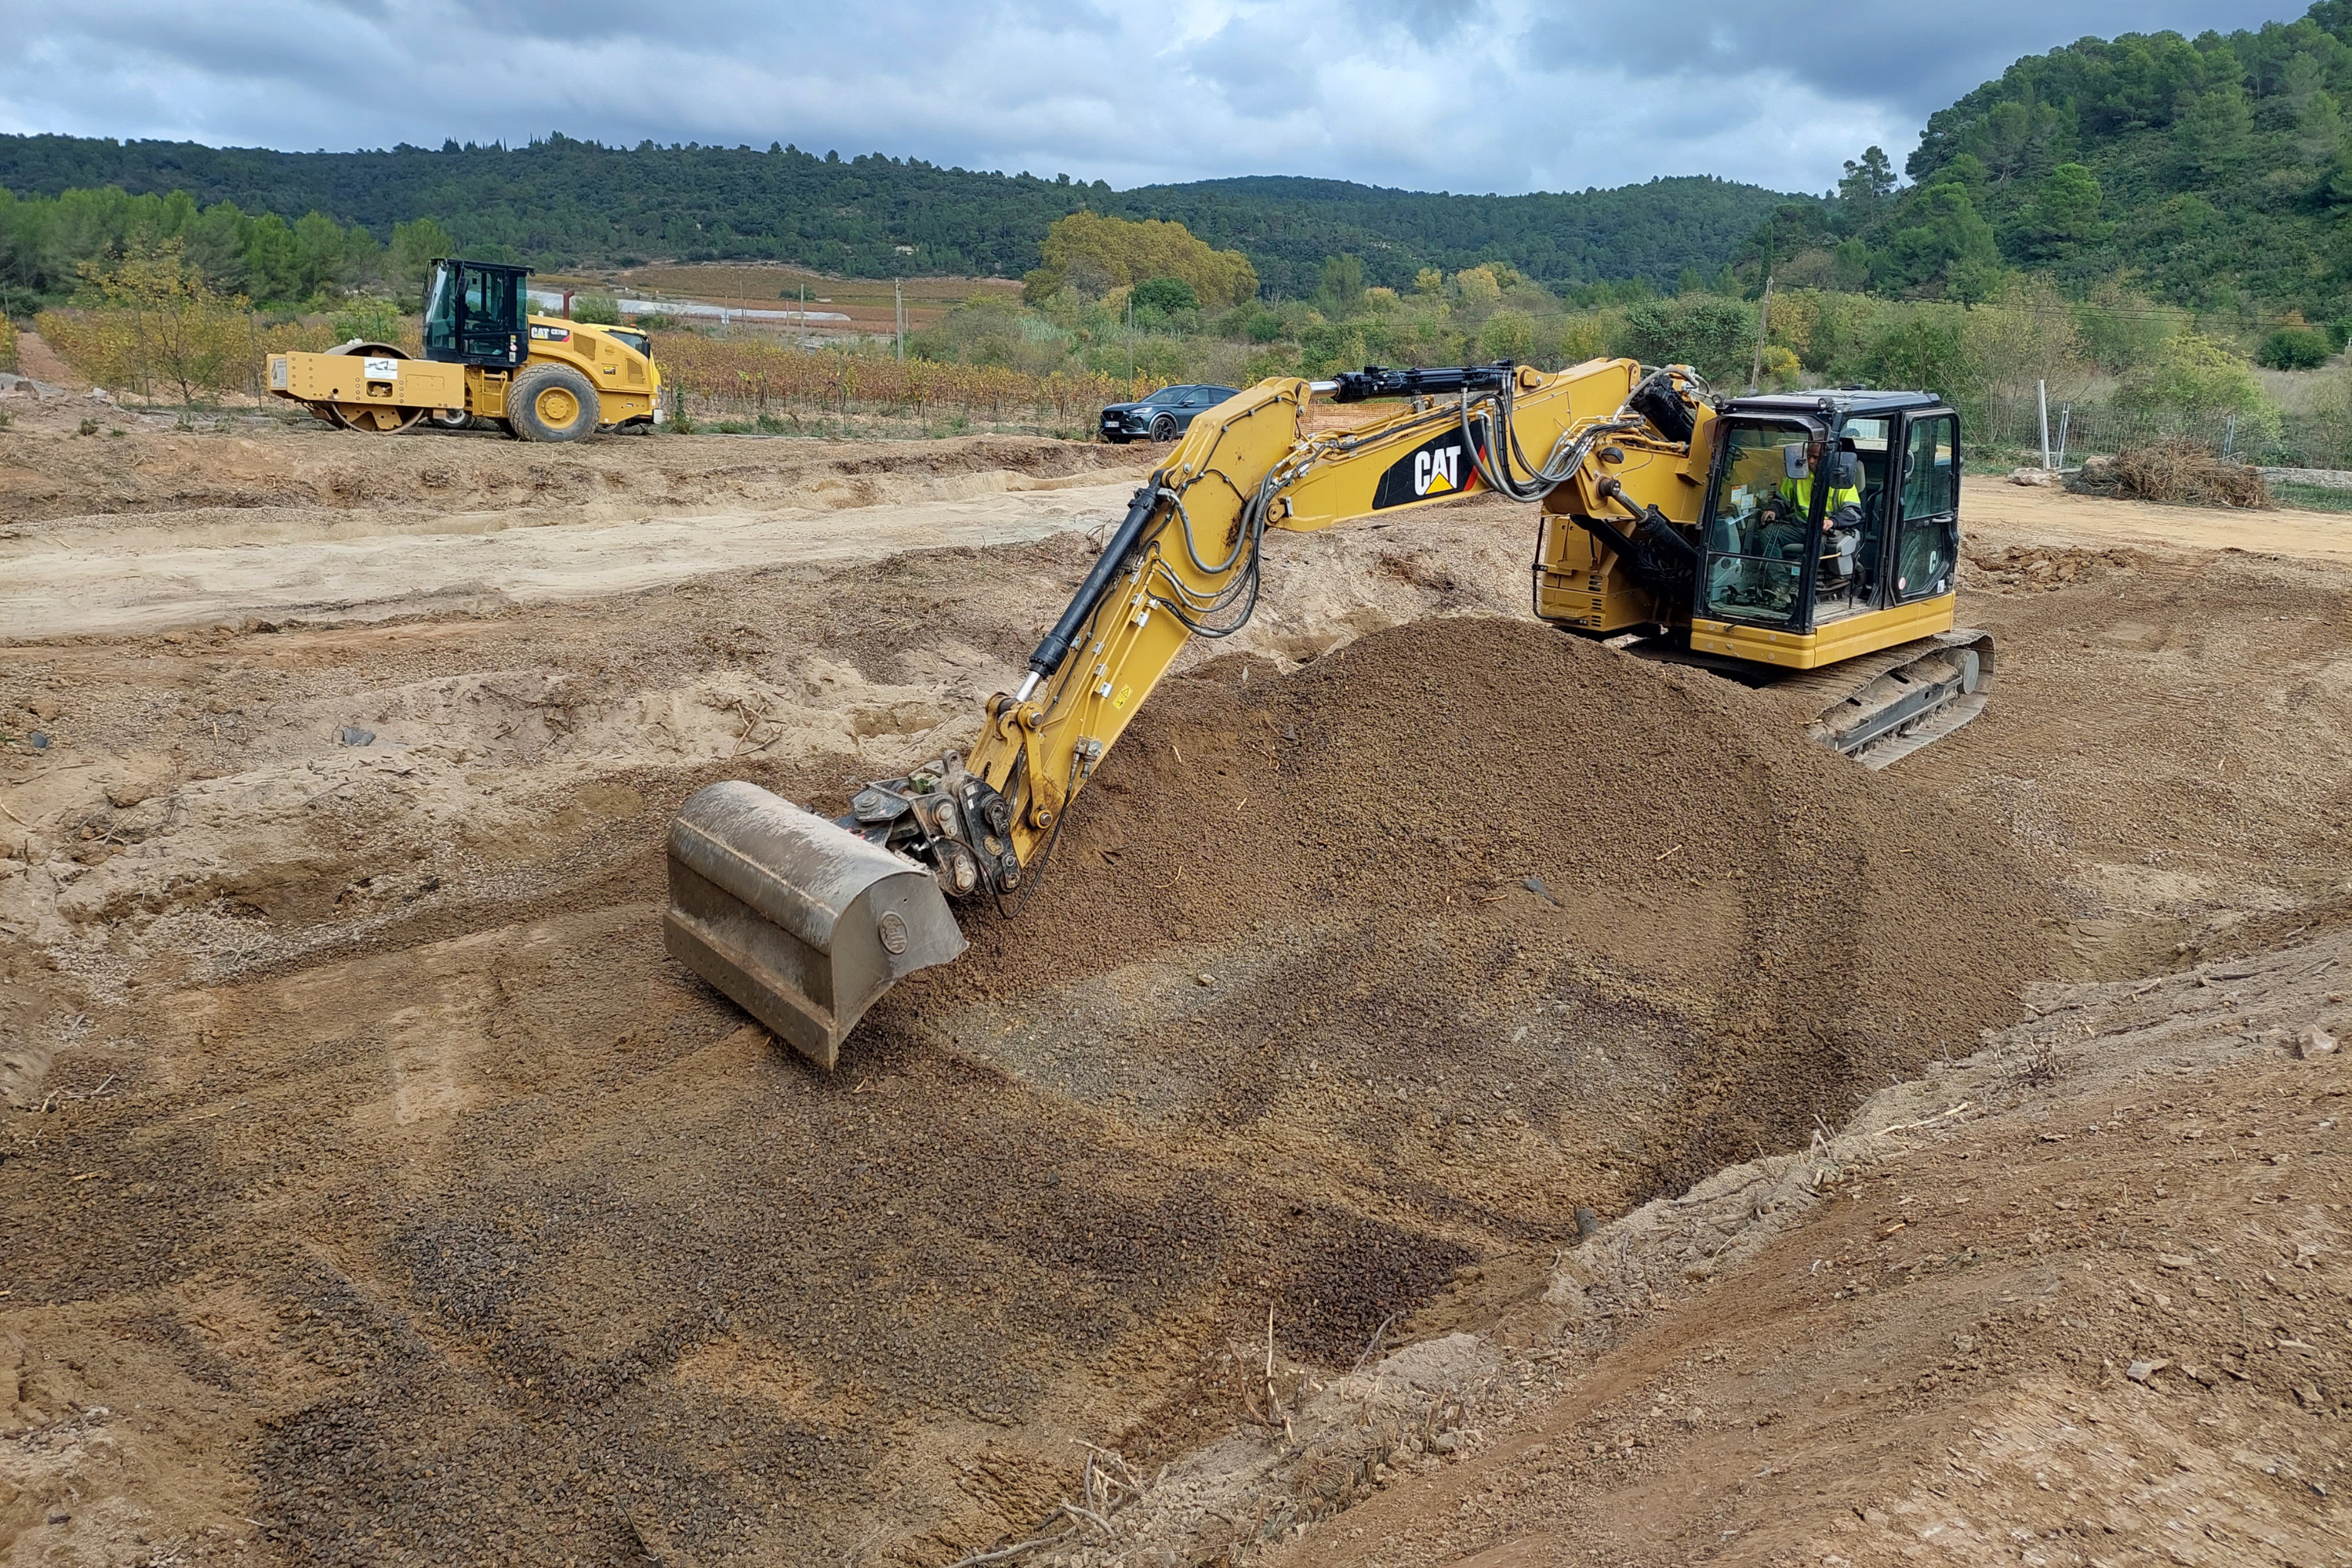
(552, 403)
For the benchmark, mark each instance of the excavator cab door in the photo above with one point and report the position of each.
(1761, 512)
(1927, 514)
(473, 314)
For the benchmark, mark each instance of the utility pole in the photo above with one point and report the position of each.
(898, 313)
(1130, 342)
(1763, 330)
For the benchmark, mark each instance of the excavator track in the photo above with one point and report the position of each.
(1881, 707)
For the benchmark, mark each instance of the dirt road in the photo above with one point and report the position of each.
(381, 1181)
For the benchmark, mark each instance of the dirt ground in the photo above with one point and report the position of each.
(378, 1192)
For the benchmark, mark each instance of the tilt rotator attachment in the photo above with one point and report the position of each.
(806, 922)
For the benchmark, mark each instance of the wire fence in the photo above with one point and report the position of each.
(2008, 429)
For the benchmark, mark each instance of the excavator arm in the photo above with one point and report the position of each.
(806, 922)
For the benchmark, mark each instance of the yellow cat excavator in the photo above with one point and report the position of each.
(1807, 538)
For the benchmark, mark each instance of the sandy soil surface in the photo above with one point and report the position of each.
(2079, 1299)
(2021, 512)
(35, 358)
(385, 1195)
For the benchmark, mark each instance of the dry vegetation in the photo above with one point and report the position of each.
(2176, 470)
(761, 380)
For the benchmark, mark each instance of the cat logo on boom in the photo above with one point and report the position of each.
(1445, 465)
(1439, 468)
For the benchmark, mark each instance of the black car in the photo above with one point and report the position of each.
(1163, 416)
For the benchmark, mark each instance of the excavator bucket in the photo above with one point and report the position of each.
(802, 922)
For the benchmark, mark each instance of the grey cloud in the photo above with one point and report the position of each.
(1493, 95)
(1914, 58)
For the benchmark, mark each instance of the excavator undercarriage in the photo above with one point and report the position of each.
(1808, 541)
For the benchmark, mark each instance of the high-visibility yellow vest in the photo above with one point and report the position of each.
(1798, 494)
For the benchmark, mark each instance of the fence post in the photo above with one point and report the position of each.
(2042, 397)
(2065, 421)
(2230, 435)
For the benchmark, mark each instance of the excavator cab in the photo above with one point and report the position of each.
(1823, 508)
(1828, 542)
(473, 314)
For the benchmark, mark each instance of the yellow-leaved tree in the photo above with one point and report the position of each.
(1095, 254)
(153, 318)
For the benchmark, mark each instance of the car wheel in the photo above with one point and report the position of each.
(552, 403)
(1164, 427)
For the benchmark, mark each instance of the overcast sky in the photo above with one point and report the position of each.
(1461, 95)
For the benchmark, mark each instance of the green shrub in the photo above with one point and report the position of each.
(596, 309)
(1507, 334)
(2296, 348)
(1924, 353)
(1165, 295)
(374, 320)
(1713, 335)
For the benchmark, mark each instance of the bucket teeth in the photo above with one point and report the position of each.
(801, 922)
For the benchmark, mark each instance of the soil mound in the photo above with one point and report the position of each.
(1469, 887)
(497, 1235)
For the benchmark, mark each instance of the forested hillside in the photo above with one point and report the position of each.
(565, 202)
(2213, 171)
(1655, 232)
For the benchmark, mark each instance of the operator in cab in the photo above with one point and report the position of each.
(1786, 512)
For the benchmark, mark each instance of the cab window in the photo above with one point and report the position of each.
(1755, 557)
(1926, 542)
(441, 309)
